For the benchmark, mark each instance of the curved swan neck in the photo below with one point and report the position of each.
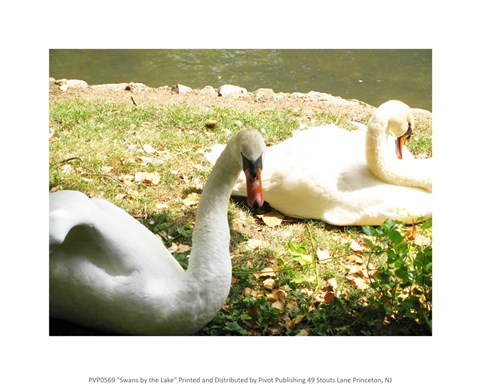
(211, 236)
(376, 145)
(381, 159)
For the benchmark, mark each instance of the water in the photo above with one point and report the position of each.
(370, 75)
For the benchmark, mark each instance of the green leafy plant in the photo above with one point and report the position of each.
(403, 283)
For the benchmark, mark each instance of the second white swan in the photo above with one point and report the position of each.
(349, 177)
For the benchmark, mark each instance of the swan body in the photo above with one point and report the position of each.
(107, 271)
(349, 177)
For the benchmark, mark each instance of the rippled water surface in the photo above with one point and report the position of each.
(373, 76)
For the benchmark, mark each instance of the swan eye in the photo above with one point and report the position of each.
(252, 166)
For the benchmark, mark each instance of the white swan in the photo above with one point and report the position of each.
(107, 271)
(349, 177)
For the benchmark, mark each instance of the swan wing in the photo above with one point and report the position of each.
(111, 236)
(104, 262)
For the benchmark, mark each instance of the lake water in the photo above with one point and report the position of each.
(370, 75)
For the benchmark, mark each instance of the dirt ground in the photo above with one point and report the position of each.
(304, 105)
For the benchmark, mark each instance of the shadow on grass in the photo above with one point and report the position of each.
(345, 316)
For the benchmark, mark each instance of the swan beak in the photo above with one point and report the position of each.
(253, 173)
(399, 146)
(254, 188)
(400, 142)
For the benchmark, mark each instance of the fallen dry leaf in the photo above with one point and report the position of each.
(324, 297)
(191, 199)
(305, 259)
(332, 282)
(355, 269)
(183, 248)
(269, 284)
(152, 178)
(328, 296)
(344, 266)
(161, 205)
(277, 295)
(278, 305)
(173, 248)
(421, 240)
(355, 259)
(373, 273)
(298, 319)
(358, 282)
(249, 292)
(354, 246)
(292, 307)
(144, 160)
(307, 291)
(179, 248)
(302, 332)
(149, 149)
(362, 270)
(272, 219)
(106, 169)
(267, 272)
(323, 256)
(253, 244)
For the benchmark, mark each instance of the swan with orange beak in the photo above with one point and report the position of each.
(343, 177)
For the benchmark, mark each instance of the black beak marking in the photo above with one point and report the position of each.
(252, 166)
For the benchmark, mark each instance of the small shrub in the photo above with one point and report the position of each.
(403, 283)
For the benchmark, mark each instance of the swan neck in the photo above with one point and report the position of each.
(383, 163)
(210, 256)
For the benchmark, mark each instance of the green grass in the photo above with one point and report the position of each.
(95, 147)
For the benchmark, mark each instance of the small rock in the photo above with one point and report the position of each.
(297, 95)
(229, 90)
(179, 88)
(136, 87)
(73, 83)
(77, 84)
(264, 94)
(319, 96)
(61, 81)
(209, 91)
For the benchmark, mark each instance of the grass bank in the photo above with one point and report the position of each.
(293, 277)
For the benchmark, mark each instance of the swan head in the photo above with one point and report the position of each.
(400, 122)
(249, 151)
